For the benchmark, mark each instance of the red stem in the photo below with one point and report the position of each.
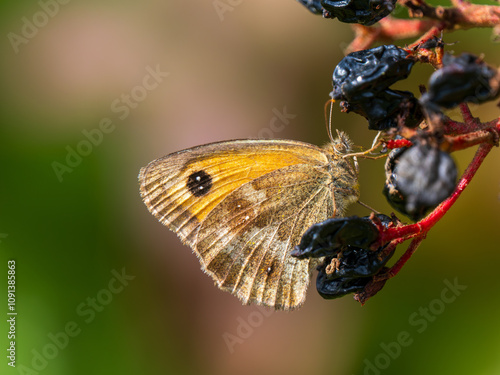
(396, 267)
(466, 114)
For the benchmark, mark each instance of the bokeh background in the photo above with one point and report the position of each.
(71, 235)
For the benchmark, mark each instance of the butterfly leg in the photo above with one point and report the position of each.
(334, 203)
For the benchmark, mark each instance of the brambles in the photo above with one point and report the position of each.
(418, 179)
(420, 172)
(361, 82)
(462, 79)
(364, 12)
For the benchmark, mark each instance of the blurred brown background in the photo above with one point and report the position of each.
(72, 232)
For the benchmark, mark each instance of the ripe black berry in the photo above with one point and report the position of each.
(364, 12)
(463, 78)
(332, 235)
(313, 5)
(361, 81)
(362, 74)
(357, 262)
(336, 288)
(418, 178)
(387, 109)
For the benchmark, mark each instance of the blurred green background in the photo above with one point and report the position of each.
(72, 234)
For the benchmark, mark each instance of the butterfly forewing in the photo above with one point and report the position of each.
(165, 181)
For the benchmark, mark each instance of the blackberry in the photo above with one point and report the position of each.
(361, 81)
(387, 109)
(418, 178)
(361, 74)
(336, 288)
(356, 262)
(314, 6)
(364, 12)
(392, 194)
(332, 235)
(463, 78)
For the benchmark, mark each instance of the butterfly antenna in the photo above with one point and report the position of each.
(375, 140)
(368, 207)
(356, 164)
(328, 118)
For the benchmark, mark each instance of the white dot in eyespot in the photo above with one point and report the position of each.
(268, 269)
(198, 178)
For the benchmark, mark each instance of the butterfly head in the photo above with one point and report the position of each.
(342, 144)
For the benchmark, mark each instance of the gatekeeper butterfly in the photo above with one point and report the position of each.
(243, 205)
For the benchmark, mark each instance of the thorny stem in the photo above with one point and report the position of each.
(457, 136)
(463, 15)
(434, 31)
(451, 127)
(389, 29)
(467, 114)
(461, 142)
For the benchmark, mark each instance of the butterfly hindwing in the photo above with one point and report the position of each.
(245, 242)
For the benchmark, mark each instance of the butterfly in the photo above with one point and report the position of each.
(243, 205)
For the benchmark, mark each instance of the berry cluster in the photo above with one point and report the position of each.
(420, 172)
(349, 262)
